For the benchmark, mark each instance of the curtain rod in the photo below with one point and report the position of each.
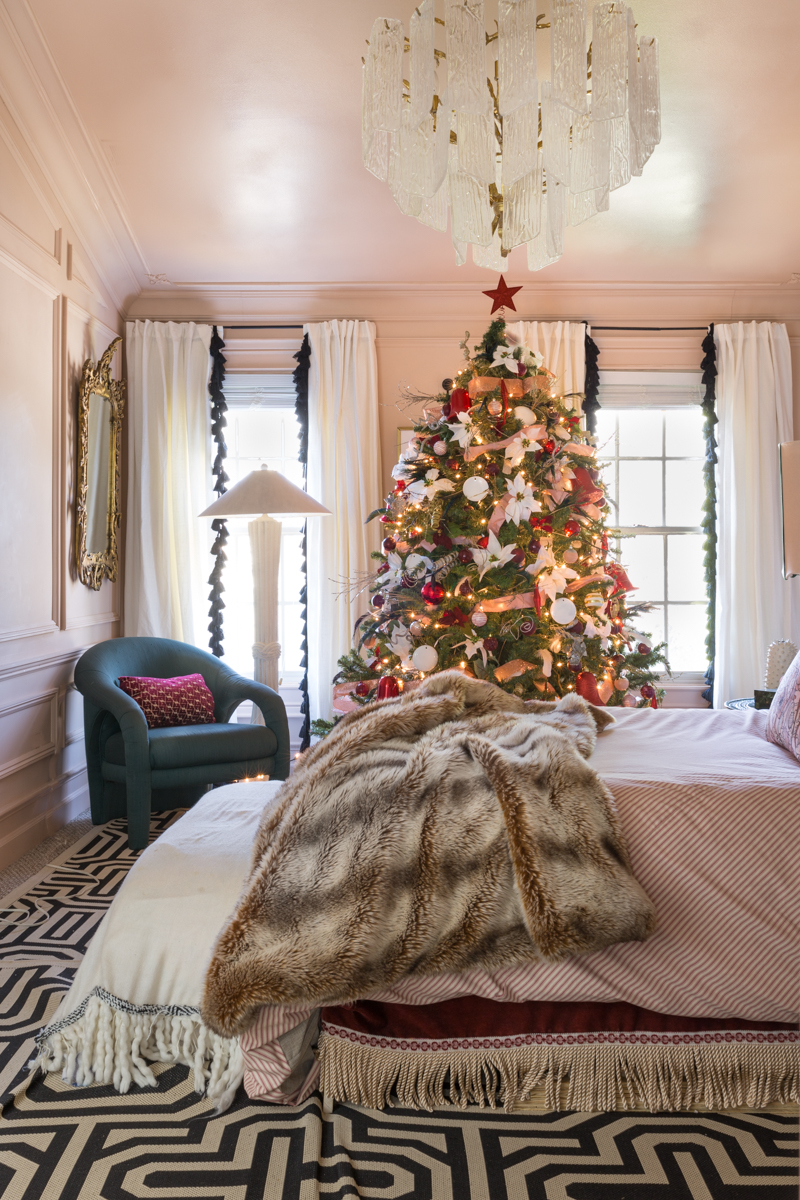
(225, 326)
(652, 328)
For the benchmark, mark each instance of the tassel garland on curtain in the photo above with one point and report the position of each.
(218, 423)
(591, 384)
(300, 377)
(709, 522)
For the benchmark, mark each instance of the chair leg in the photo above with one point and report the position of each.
(138, 817)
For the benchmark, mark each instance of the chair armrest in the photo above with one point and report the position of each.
(230, 693)
(104, 696)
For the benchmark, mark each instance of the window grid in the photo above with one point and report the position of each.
(612, 460)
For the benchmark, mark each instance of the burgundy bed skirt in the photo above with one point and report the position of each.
(472, 1050)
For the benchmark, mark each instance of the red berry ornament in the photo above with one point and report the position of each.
(572, 528)
(433, 592)
(490, 644)
(465, 556)
(388, 687)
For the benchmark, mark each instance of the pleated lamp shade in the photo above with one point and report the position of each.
(265, 491)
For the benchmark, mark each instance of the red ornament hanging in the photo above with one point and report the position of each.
(433, 592)
(459, 401)
(408, 581)
(572, 528)
(648, 691)
(453, 464)
(389, 544)
(527, 627)
(385, 519)
(388, 687)
(382, 569)
(548, 445)
(362, 688)
(465, 556)
(378, 599)
(518, 554)
(586, 686)
(490, 644)
(483, 542)
(400, 486)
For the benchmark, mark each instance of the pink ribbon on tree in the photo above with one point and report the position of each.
(531, 432)
(507, 603)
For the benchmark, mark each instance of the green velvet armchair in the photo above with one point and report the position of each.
(133, 770)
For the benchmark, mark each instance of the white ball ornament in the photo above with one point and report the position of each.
(526, 415)
(570, 556)
(440, 447)
(479, 618)
(415, 628)
(475, 488)
(621, 685)
(563, 611)
(425, 658)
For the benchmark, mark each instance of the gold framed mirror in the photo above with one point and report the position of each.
(100, 404)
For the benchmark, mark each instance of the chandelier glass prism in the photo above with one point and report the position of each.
(457, 119)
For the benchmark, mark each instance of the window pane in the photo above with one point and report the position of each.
(608, 476)
(685, 493)
(684, 432)
(639, 432)
(685, 572)
(606, 431)
(643, 559)
(687, 635)
(640, 493)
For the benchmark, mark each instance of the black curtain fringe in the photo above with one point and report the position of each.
(300, 377)
(218, 423)
(591, 383)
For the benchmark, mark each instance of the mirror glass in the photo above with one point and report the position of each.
(97, 474)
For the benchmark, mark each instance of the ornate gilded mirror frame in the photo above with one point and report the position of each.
(98, 480)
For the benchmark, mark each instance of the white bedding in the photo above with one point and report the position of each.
(711, 812)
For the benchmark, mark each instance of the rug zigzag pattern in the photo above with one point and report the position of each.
(64, 1143)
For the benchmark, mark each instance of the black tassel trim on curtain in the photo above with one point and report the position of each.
(591, 384)
(709, 523)
(218, 423)
(300, 377)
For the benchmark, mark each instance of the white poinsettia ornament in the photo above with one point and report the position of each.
(491, 556)
(522, 501)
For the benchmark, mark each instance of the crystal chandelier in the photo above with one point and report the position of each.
(515, 158)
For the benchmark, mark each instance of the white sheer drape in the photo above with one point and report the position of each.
(344, 474)
(755, 605)
(562, 344)
(169, 480)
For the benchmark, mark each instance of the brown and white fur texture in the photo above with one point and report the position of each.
(453, 827)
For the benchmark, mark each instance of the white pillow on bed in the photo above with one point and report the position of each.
(783, 721)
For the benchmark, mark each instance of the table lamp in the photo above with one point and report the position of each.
(260, 494)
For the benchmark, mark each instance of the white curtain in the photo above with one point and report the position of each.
(755, 605)
(169, 480)
(344, 474)
(562, 345)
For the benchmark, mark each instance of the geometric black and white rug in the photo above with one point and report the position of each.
(63, 1143)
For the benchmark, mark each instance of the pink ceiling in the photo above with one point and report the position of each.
(233, 130)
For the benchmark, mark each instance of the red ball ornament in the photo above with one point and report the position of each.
(382, 569)
(518, 554)
(465, 556)
(408, 581)
(483, 542)
(572, 528)
(446, 409)
(576, 628)
(548, 445)
(362, 688)
(400, 486)
(491, 469)
(643, 648)
(385, 519)
(647, 691)
(388, 687)
(460, 401)
(389, 544)
(378, 599)
(441, 538)
(534, 545)
(527, 627)
(586, 686)
(433, 592)
(490, 644)
(453, 464)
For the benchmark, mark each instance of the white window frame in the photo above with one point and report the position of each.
(656, 389)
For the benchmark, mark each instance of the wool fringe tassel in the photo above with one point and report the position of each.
(107, 1045)
(602, 1078)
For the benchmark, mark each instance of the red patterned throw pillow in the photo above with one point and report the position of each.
(184, 700)
(783, 722)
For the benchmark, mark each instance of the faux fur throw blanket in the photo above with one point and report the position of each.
(455, 826)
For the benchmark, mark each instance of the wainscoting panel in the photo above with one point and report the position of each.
(29, 730)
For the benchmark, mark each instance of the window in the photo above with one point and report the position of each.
(262, 428)
(650, 442)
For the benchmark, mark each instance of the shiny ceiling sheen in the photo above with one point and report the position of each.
(233, 132)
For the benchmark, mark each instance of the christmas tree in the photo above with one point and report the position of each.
(495, 558)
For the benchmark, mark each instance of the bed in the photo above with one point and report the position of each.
(704, 1012)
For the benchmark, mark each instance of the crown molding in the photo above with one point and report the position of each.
(73, 165)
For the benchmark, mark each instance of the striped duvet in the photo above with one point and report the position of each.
(711, 812)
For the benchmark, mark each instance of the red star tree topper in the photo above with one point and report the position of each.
(502, 295)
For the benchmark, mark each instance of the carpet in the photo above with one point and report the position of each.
(64, 1143)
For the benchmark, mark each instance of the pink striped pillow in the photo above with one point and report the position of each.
(783, 722)
(183, 700)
